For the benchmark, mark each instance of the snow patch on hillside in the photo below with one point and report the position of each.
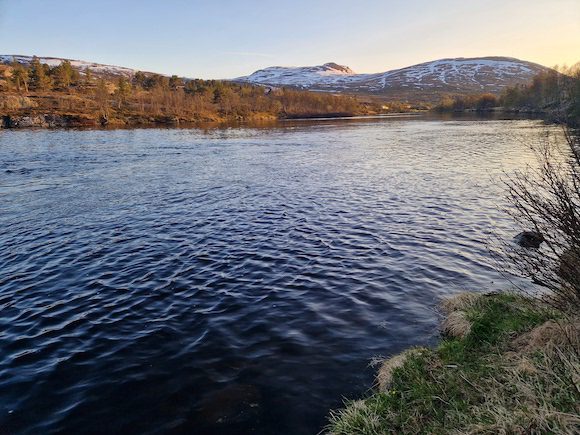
(96, 68)
(490, 74)
(300, 76)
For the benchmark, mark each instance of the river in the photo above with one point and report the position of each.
(234, 280)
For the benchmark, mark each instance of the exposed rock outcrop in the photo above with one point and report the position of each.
(45, 121)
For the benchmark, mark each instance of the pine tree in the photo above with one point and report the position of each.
(139, 80)
(64, 74)
(175, 82)
(39, 80)
(88, 76)
(102, 98)
(20, 76)
(122, 92)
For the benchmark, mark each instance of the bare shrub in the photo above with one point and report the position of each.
(546, 200)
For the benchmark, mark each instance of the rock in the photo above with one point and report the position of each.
(29, 121)
(529, 239)
(46, 121)
(56, 121)
(24, 121)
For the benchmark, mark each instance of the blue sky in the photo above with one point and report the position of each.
(226, 38)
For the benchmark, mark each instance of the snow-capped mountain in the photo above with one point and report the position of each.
(460, 75)
(97, 69)
(425, 81)
(306, 76)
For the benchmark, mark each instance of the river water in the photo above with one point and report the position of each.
(234, 280)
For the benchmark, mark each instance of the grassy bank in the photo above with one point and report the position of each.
(506, 364)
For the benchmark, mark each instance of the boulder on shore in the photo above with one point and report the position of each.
(529, 239)
(46, 121)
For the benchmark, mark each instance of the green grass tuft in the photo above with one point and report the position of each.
(476, 384)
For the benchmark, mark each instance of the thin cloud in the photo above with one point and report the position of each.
(248, 54)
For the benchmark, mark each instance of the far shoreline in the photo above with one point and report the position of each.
(75, 122)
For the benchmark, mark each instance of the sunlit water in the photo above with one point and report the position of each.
(234, 280)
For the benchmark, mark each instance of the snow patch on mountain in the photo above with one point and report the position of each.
(425, 81)
(300, 76)
(486, 74)
(96, 68)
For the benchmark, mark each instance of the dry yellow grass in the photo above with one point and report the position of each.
(459, 302)
(455, 322)
(548, 336)
(14, 102)
(456, 325)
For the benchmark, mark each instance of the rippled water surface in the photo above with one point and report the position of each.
(233, 280)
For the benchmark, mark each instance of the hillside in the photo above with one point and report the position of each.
(426, 81)
(52, 92)
(329, 74)
(97, 69)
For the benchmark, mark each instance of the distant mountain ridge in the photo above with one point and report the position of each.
(429, 79)
(303, 77)
(97, 69)
(425, 81)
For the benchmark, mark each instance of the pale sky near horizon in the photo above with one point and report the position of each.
(226, 38)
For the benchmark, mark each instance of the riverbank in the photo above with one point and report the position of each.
(79, 120)
(506, 364)
(106, 104)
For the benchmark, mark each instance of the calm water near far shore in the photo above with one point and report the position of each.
(234, 280)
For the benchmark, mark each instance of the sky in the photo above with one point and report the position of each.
(226, 38)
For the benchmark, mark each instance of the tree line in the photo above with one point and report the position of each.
(149, 95)
(555, 93)
(460, 103)
(42, 77)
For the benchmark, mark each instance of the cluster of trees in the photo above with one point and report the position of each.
(458, 103)
(172, 96)
(42, 77)
(555, 92)
(153, 95)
